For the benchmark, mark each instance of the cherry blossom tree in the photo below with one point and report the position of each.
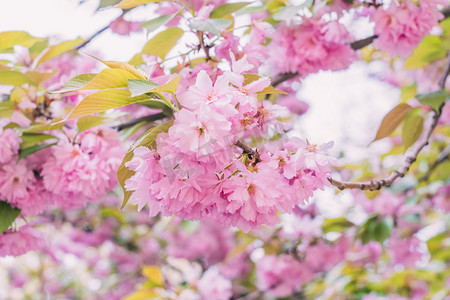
(179, 174)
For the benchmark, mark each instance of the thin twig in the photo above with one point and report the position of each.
(445, 155)
(149, 118)
(378, 184)
(92, 37)
(98, 32)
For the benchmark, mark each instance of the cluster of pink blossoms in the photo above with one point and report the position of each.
(402, 26)
(312, 46)
(66, 175)
(199, 170)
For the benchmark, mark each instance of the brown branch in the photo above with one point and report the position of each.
(203, 46)
(356, 45)
(378, 184)
(98, 32)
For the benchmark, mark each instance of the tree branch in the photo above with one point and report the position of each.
(253, 154)
(203, 46)
(378, 184)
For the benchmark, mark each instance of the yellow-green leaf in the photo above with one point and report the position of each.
(392, 120)
(9, 39)
(143, 294)
(15, 78)
(127, 4)
(170, 87)
(431, 48)
(40, 77)
(76, 83)
(87, 122)
(124, 66)
(104, 100)
(227, 9)
(110, 78)
(154, 274)
(59, 49)
(147, 140)
(163, 42)
(412, 128)
(408, 92)
(270, 90)
(249, 78)
(154, 24)
(31, 139)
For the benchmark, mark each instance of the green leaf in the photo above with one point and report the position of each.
(40, 77)
(227, 9)
(270, 90)
(154, 24)
(434, 99)
(112, 212)
(336, 225)
(7, 215)
(289, 12)
(59, 49)
(430, 49)
(56, 125)
(147, 140)
(392, 119)
(163, 42)
(249, 78)
(408, 92)
(9, 39)
(138, 87)
(127, 4)
(438, 247)
(104, 100)
(76, 83)
(412, 128)
(30, 139)
(106, 3)
(28, 151)
(87, 122)
(210, 25)
(381, 231)
(6, 109)
(375, 230)
(15, 78)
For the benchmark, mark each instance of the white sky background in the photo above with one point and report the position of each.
(346, 107)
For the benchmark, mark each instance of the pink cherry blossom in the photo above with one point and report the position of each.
(310, 47)
(403, 24)
(123, 27)
(10, 142)
(19, 242)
